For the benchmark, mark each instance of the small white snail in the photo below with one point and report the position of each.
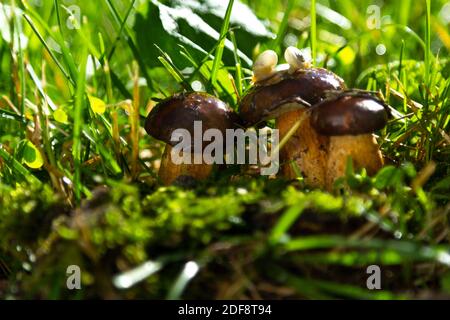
(265, 65)
(298, 59)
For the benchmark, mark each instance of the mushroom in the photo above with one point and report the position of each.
(349, 120)
(181, 111)
(286, 96)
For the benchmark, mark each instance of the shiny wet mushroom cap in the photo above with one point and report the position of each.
(182, 110)
(267, 100)
(349, 121)
(349, 115)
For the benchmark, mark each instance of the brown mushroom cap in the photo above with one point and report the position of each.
(181, 110)
(267, 98)
(349, 114)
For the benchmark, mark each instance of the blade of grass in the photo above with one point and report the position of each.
(104, 152)
(325, 288)
(18, 31)
(357, 258)
(134, 120)
(131, 277)
(428, 73)
(205, 73)
(276, 44)
(78, 121)
(206, 58)
(121, 30)
(43, 118)
(404, 10)
(84, 34)
(237, 62)
(313, 35)
(285, 222)
(6, 114)
(69, 61)
(406, 248)
(59, 37)
(127, 35)
(37, 82)
(221, 46)
(172, 69)
(302, 286)
(106, 69)
(408, 31)
(189, 271)
(50, 52)
(373, 70)
(428, 43)
(400, 62)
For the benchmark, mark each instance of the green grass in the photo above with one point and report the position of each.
(219, 51)
(95, 200)
(313, 33)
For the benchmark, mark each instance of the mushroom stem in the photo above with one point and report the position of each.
(363, 149)
(169, 171)
(306, 148)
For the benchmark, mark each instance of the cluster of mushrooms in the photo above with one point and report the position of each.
(331, 123)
